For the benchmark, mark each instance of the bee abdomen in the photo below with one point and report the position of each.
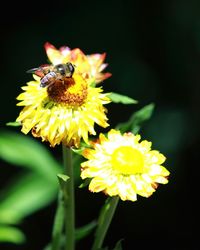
(47, 79)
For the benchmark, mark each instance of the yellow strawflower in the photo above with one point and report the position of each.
(121, 165)
(65, 111)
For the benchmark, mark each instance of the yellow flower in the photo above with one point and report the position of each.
(121, 165)
(90, 66)
(66, 110)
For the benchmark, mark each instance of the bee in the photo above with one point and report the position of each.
(51, 73)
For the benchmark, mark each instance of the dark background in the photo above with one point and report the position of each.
(153, 52)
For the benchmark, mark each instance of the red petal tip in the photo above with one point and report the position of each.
(48, 45)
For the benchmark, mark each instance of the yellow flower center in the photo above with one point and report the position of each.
(70, 91)
(127, 160)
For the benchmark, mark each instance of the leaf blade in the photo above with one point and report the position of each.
(13, 124)
(118, 98)
(26, 195)
(137, 119)
(23, 151)
(83, 231)
(11, 235)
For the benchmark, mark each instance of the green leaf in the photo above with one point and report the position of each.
(136, 120)
(118, 98)
(11, 235)
(82, 147)
(118, 245)
(62, 178)
(48, 247)
(82, 232)
(85, 183)
(13, 124)
(25, 196)
(93, 84)
(26, 152)
(78, 150)
(105, 217)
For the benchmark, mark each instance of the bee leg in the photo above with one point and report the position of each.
(43, 83)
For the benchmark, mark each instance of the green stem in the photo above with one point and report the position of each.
(69, 199)
(105, 219)
(58, 224)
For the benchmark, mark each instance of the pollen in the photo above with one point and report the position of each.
(71, 92)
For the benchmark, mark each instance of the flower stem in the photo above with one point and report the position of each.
(105, 219)
(58, 224)
(69, 199)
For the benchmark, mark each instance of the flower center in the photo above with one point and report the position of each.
(127, 160)
(70, 91)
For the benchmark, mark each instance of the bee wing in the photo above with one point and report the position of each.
(32, 70)
(40, 71)
(37, 71)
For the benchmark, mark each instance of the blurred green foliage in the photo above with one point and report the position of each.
(30, 191)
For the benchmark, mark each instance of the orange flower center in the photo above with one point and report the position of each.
(70, 91)
(127, 160)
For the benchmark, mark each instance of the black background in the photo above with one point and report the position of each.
(153, 52)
